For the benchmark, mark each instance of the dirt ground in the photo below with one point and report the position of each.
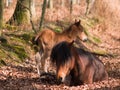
(24, 76)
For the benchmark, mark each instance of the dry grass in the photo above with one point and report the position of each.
(109, 10)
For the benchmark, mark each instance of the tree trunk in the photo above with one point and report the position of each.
(78, 2)
(71, 6)
(74, 1)
(8, 3)
(50, 4)
(32, 8)
(21, 14)
(1, 15)
(62, 3)
(43, 13)
(90, 4)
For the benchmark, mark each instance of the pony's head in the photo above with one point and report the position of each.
(78, 28)
(61, 54)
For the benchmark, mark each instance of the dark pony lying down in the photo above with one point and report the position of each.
(82, 66)
(47, 38)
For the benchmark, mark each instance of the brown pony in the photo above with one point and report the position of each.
(46, 39)
(83, 66)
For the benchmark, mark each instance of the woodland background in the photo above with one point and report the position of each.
(20, 20)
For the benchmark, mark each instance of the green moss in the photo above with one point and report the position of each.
(21, 15)
(91, 37)
(103, 52)
(100, 51)
(10, 27)
(17, 40)
(2, 54)
(94, 21)
(58, 30)
(89, 22)
(96, 39)
(2, 62)
(3, 39)
(18, 46)
(86, 32)
(27, 37)
(14, 57)
(17, 49)
(20, 51)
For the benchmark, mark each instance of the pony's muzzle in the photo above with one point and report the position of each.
(61, 80)
(84, 37)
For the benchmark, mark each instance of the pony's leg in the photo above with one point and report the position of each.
(47, 64)
(105, 76)
(38, 62)
(88, 77)
(44, 61)
(51, 67)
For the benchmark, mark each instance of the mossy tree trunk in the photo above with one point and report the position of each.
(21, 14)
(1, 15)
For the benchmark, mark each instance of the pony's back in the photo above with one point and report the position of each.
(93, 61)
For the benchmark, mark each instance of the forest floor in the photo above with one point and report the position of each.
(23, 76)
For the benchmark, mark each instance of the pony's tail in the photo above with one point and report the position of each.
(34, 41)
(37, 44)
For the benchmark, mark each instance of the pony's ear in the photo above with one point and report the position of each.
(79, 21)
(75, 20)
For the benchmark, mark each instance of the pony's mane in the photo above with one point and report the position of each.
(68, 29)
(61, 53)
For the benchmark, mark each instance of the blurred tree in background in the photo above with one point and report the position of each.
(21, 14)
(1, 15)
(50, 4)
(43, 14)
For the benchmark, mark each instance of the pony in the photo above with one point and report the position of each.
(46, 39)
(81, 65)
